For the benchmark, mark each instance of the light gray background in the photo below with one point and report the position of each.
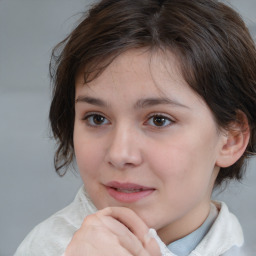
(30, 191)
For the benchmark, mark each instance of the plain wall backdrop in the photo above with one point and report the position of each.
(30, 190)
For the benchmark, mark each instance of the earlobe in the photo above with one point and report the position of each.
(235, 141)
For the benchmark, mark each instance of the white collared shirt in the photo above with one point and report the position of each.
(51, 237)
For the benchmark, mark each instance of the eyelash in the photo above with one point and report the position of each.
(89, 119)
(163, 118)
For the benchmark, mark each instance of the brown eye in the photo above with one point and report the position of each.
(159, 121)
(96, 120)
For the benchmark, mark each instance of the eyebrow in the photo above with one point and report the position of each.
(91, 100)
(148, 102)
(141, 103)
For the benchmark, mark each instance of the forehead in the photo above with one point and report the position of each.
(136, 64)
(139, 73)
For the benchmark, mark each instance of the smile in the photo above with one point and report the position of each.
(128, 192)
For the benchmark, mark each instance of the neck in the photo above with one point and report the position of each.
(186, 224)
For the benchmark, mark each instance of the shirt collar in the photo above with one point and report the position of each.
(185, 245)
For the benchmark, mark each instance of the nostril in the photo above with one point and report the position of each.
(123, 152)
(124, 162)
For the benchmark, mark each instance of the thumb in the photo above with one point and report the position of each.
(151, 245)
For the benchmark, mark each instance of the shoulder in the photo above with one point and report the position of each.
(225, 235)
(52, 236)
(48, 238)
(237, 251)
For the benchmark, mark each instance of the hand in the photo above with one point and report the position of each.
(113, 231)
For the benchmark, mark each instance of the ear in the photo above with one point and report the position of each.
(235, 141)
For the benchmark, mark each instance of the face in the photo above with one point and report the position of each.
(144, 140)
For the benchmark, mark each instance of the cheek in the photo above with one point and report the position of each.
(183, 166)
(87, 155)
(183, 180)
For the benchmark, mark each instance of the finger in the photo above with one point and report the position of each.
(124, 236)
(128, 218)
(152, 246)
(134, 228)
(93, 238)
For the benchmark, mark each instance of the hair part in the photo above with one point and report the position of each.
(216, 53)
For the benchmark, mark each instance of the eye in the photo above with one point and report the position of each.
(95, 120)
(159, 121)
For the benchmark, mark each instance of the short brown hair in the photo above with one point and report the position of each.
(216, 53)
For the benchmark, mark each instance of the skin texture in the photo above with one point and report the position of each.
(114, 230)
(172, 147)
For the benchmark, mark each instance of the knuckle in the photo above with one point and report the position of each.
(107, 211)
(92, 220)
(88, 219)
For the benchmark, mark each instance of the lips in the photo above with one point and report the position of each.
(128, 192)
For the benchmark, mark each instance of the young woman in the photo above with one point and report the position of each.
(155, 101)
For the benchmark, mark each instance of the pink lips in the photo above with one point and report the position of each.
(127, 192)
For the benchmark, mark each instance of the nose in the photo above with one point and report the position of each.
(124, 149)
